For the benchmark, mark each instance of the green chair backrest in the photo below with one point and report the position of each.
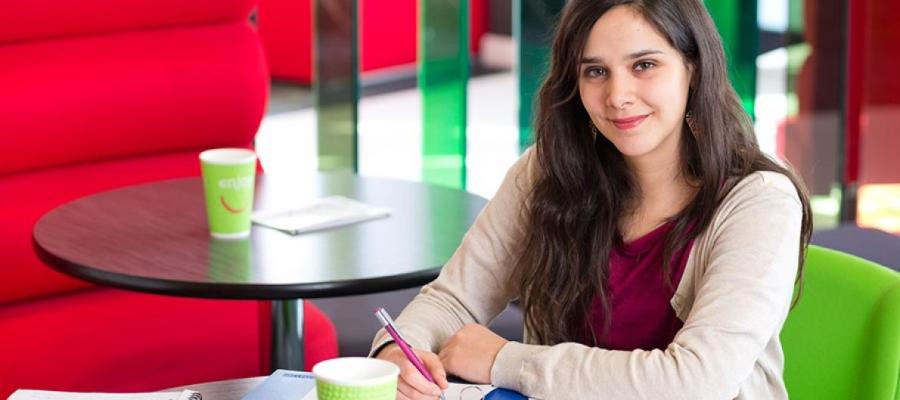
(842, 340)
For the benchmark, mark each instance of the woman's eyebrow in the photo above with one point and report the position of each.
(637, 54)
(644, 53)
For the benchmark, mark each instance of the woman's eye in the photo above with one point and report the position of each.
(593, 72)
(644, 65)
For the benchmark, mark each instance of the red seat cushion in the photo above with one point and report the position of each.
(115, 340)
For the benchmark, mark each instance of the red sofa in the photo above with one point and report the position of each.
(98, 94)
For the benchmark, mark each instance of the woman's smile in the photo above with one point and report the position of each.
(627, 123)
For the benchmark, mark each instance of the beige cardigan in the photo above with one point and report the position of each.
(733, 298)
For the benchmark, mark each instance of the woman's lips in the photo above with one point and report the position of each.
(630, 122)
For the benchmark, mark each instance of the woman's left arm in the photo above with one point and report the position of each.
(742, 299)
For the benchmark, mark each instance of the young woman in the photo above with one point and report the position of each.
(653, 248)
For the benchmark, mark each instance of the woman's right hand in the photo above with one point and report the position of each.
(412, 385)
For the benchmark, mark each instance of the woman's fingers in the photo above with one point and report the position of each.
(401, 396)
(406, 392)
(412, 385)
(433, 363)
(415, 379)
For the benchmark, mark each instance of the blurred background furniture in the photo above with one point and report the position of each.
(872, 244)
(99, 94)
(842, 339)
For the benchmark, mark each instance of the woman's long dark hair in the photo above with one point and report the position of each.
(583, 184)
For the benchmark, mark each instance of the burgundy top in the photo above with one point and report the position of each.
(642, 317)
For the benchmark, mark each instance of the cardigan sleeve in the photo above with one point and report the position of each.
(474, 285)
(740, 303)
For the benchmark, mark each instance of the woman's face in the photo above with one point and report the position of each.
(634, 85)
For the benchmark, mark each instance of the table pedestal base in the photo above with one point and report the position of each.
(287, 335)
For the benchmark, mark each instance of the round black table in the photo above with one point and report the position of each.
(154, 238)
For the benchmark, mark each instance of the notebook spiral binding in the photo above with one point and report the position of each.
(477, 393)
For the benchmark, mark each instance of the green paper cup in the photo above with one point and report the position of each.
(356, 378)
(228, 181)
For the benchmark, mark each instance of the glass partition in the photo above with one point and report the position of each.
(737, 24)
(786, 60)
(336, 83)
(875, 40)
(815, 75)
(443, 75)
(533, 25)
(811, 135)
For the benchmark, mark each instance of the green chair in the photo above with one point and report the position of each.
(842, 340)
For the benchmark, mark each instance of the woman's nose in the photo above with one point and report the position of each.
(620, 93)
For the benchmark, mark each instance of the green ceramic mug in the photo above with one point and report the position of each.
(356, 378)
(229, 177)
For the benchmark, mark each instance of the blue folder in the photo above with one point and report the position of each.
(504, 394)
(494, 394)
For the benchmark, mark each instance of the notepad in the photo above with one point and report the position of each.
(285, 385)
(325, 213)
(23, 394)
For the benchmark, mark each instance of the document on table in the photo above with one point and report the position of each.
(329, 212)
(53, 395)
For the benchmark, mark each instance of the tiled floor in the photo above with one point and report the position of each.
(390, 132)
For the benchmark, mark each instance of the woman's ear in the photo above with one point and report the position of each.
(692, 80)
(692, 77)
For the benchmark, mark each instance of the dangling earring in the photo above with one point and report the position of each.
(691, 122)
(594, 130)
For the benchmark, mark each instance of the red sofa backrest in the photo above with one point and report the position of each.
(89, 80)
(99, 94)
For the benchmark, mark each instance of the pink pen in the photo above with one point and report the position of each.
(392, 330)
